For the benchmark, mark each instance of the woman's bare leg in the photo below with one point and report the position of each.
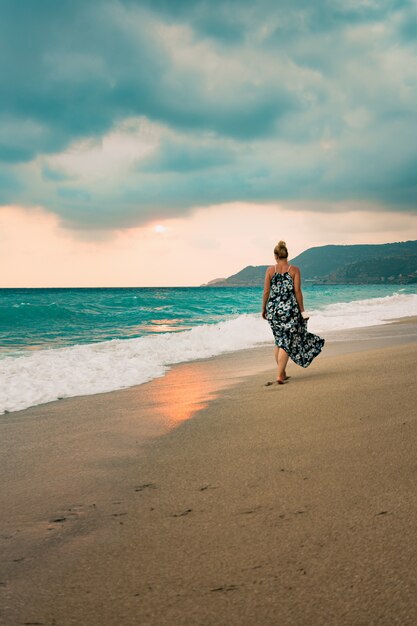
(282, 360)
(276, 353)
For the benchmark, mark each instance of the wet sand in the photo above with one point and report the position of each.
(289, 504)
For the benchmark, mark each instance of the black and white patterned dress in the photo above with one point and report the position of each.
(287, 323)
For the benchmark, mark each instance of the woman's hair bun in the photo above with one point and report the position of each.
(280, 250)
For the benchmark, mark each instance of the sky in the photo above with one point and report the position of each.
(170, 142)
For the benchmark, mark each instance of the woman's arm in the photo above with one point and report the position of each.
(267, 288)
(297, 289)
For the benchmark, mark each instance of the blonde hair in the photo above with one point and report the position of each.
(280, 250)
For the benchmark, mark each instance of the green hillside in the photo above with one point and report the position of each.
(325, 260)
(356, 264)
(395, 269)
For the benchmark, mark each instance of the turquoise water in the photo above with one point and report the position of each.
(60, 343)
(44, 318)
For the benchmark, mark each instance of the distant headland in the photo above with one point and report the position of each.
(341, 264)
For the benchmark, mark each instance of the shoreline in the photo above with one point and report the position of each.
(87, 474)
(362, 337)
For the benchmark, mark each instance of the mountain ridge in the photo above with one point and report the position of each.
(341, 264)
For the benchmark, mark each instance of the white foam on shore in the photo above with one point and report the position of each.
(361, 313)
(38, 377)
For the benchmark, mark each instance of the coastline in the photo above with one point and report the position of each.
(45, 362)
(171, 517)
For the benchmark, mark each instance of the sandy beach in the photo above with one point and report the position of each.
(208, 498)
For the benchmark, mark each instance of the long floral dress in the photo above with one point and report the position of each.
(288, 325)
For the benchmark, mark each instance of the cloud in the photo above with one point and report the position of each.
(117, 112)
(186, 156)
(52, 174)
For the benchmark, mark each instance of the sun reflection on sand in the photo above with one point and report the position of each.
(165, 403)
(184, 391)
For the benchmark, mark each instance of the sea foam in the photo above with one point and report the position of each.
(37, 377)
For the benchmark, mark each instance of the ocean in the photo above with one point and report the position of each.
(58, 343)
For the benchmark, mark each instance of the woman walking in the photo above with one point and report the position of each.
(283, 307)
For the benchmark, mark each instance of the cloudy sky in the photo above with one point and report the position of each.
(169, 142)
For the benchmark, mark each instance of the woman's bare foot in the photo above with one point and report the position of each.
(282, 378)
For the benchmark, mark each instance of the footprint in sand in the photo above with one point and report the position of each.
(145, 486)
(255, 509)
(225, 588)
(70, 514)
(185, 512)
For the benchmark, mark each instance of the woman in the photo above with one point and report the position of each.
(283, 307)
